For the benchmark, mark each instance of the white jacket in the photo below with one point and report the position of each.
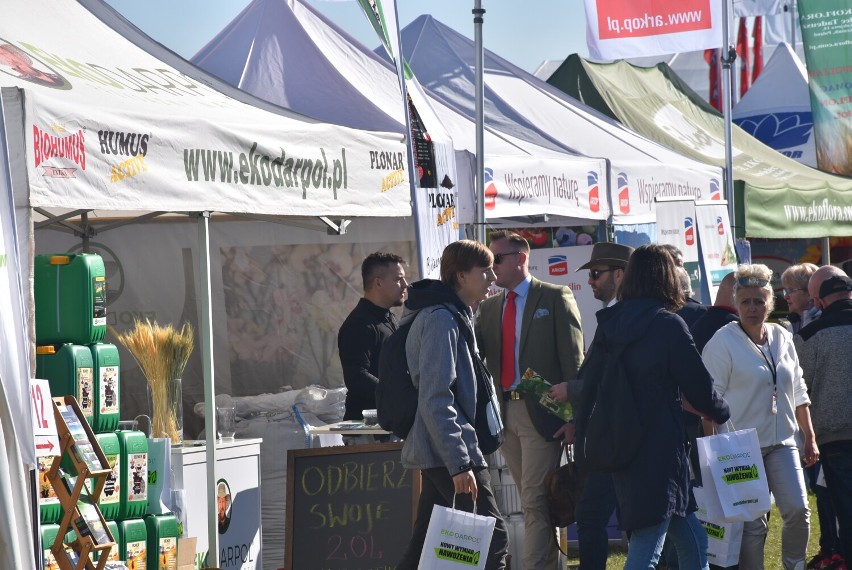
(743, 377)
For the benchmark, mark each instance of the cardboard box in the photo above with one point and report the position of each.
(186, 553)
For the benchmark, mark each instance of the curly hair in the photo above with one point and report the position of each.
(755, 275)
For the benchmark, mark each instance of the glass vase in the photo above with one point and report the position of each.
(166, 409)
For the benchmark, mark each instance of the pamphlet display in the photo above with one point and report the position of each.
(79, 502)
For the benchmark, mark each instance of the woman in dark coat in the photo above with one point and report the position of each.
(665, 370)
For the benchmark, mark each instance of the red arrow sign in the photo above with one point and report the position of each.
(48, 446)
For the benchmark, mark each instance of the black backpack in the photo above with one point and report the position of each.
(396, 395)
(614, 427)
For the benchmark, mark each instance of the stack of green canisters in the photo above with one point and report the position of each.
(162, 541)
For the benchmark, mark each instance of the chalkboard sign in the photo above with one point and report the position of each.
(349, 507)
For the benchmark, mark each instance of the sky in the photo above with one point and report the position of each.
(526, 37)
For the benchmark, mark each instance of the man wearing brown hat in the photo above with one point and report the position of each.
(597, 502)
(606, 269)
(823, 349)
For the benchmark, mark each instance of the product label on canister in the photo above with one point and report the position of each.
(137, 555)
(99, 301)
(50, 562)
(109, 390)
(167, 559)
(46, 495)
(112, 485)
(86, 390)
(137, 469)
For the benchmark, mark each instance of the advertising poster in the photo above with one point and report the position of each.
(827, 37)
(676, 226)
(717, 244)
(616, 29)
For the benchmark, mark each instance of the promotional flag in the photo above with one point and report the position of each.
(757, 48)
(433, 183)
(827, 39)
(718, 256)
(711, 56)
(616, 29)
(742, 55)
(676, 225)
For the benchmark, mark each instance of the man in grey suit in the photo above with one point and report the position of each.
(538, 323)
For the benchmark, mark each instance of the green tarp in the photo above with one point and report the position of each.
(782, 197)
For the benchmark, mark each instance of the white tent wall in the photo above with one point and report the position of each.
(279, 295)
(16, 428)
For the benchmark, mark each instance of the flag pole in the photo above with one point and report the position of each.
(728, 57)
(479, 223)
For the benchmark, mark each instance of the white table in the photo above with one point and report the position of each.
(238, 467)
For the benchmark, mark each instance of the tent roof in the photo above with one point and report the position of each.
(521, 105)
(136, 128)
(273, 44)
(776, 110)
(783, 198)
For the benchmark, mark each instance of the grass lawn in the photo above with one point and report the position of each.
(617, 556)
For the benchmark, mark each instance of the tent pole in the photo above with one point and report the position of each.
(206, 336)
(826, 250)
(729, 55)
(478, 18)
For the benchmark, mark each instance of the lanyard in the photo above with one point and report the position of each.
(772, 366)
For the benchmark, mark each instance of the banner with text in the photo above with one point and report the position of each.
(676, 226)
(616, 29)
(827, 38)
(434, 180)
(717, 243)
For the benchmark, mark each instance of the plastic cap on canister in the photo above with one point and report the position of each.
(60, 259)
(47, 349)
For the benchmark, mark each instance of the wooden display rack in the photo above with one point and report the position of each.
(77, 441)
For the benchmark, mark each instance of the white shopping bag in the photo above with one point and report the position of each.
(456, 540)
(723, 538)
(733, 475)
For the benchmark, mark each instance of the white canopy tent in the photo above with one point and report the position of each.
(273, 45)
(776, 110)
(525, 107)
(94, 126)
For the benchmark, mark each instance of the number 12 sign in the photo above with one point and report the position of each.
(44, 423)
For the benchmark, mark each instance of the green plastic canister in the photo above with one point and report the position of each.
(48, 535)
(133, 543)
(70, 370)
(115, 551)
(106, 365)
(134, 474)
(50, 511)
(110, 500)
(70, 298)
(162, 542)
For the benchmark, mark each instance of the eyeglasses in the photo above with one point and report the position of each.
(789, 292)
(499, 257)
(595, 273)
(752, 282)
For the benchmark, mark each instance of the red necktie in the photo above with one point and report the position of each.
(507, 352)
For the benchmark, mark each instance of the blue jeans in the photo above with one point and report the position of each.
(686, 534)
(836, 459)
(593, 513)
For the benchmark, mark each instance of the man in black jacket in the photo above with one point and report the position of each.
(360, 338)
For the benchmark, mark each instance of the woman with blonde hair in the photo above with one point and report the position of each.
(795, 282)
(755, 367)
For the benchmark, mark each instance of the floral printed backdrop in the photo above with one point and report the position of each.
(284, 306)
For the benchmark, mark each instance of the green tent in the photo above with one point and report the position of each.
(782, 197)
